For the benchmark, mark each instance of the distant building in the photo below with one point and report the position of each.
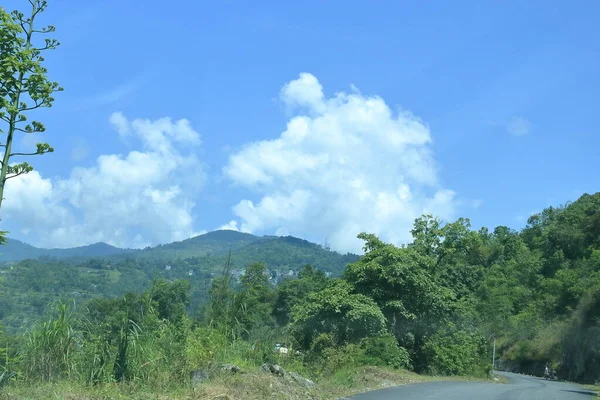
(167, 267)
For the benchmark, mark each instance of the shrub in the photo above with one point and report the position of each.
(455, 352)
(202, 346)
(383, 351)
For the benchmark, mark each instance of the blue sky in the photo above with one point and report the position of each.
(507, 91)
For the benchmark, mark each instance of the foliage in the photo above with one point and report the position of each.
(202, 347)
(432, 305)
(348, 317)
(581, 342)
(24, 85)
(455, 352)
(384, 351)
(48, 352)
(295, 291)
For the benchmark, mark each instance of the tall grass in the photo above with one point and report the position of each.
(49, 348)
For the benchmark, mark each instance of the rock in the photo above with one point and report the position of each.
(199, 376)
(231, 368)
(277, 370)
(266, 367)
(273, 369)
(302, 380)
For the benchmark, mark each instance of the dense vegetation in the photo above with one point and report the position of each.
(30, 285)
(433, 306)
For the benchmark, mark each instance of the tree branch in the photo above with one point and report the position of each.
(15, 175)
(23, 26)
(26, 154)
(37, 105)
(26, 131)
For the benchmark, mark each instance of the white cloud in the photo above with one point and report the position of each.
(230, 226)
(306, 91)
(80, 150)
(477, 203)
(519, 126)
(343, 165)
(120, 123)
(133, 200)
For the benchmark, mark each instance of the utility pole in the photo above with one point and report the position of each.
(494, 356)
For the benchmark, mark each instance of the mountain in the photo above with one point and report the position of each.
(15, 250)
(43, 276)
(209, 244)
(290, 253)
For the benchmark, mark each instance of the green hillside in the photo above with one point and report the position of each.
(208, 244)
(30, 285)
(16, 250)
(433, 305)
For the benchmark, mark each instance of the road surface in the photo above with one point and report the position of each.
(519, 387)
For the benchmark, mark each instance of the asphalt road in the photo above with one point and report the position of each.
(519, 387)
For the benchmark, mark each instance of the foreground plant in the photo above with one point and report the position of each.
(24, 85)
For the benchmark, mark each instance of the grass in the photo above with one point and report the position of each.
(248, 386)
(593, 388)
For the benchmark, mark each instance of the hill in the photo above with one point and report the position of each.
(209, 244)
(43, 276)
(15, 250)
(290, 253)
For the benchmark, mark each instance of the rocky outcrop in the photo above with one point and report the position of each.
(301, 380)
(202, 375)
(231, 368)
(274, 369)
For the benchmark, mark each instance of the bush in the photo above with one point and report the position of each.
(201, 348)
(383, 351)
(455, 352)
(327, 359)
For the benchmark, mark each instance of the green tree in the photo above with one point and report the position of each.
(254, 302)
(339, 312)
(171, 299)
(581, 341)
(24, 85)
(401, 284)
(294, 291)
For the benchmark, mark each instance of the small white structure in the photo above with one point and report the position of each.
(167, 267)
(283, 351)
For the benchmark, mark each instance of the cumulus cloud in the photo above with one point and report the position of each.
(519, 126)
(230, 226)
(133, 200)
(344, 164)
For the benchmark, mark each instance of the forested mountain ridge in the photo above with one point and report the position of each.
(211, 243)
(30, 285)
(15, 250)
(208, 244)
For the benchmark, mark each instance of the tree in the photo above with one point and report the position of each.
(171, 299)
(24, 85)
(401, 284)
(294, 291)
(255, 300)
(346, 316)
